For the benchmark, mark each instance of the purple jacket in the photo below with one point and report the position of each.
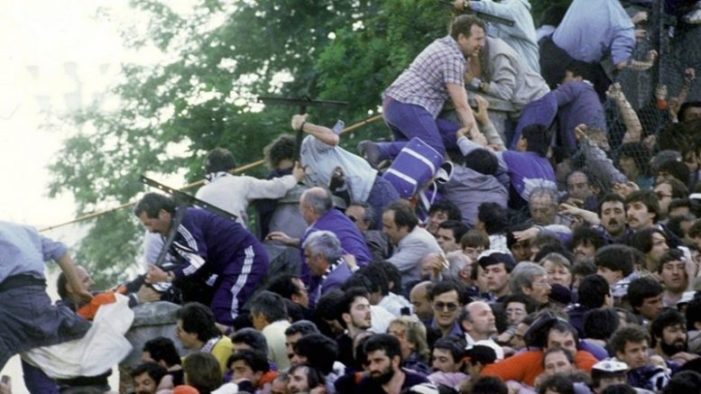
(352, 240)
(206, 241)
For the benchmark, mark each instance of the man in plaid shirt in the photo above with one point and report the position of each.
(412, 103)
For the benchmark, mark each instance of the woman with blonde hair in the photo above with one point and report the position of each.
(411, 334)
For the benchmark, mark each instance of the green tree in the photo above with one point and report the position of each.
(224, 55)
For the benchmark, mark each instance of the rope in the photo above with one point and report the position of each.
(197, 183)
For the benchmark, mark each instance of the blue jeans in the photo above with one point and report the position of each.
(410, 120)
(36, 380)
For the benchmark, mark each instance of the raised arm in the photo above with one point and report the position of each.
(486, 125)
(323, 134)
(634, 128)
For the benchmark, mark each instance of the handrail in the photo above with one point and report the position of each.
(237, 170)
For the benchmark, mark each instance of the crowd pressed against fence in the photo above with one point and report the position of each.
(556, 252)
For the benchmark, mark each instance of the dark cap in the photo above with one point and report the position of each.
(493, 256)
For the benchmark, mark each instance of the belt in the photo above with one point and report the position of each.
(22, 280)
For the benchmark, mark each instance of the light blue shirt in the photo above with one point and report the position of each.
(591, 29)
(521, 36)
(321, 159)
(23, 251)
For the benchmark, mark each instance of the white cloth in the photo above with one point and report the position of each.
(227, 388)
(274, 334)
(394, 303)
(380, 319)
(485, 342)
(320, 159)
(103, 346)
(233, 193)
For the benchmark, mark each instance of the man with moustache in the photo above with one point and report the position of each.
(384, 357)
(612, 211)
(642, 210)
(669, 338)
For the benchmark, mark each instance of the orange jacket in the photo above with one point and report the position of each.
(89, 310)
(525, 367)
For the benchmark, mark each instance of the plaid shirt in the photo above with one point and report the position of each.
(424, 82)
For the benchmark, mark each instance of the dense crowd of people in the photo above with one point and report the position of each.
(554, 255)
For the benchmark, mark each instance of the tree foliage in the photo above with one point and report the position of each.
(222, 56)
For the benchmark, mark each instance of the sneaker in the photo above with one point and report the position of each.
(371, 152)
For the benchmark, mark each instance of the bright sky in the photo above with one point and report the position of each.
(56, 56)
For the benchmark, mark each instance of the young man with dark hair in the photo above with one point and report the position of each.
(496, 266)
(249, 339)
(412, 242)
(233, 193)
(600, 324)
(439, 212)
(673, 275)
(197, 330)
(476, 179)
(202, 372)
(652, 242)
(250, 370)
(519, 248)
(269, 316)
(146, 377)
(593, 292)
(320, 353)
(353, 312)
(645, 297)
(377, 273)
(585, 242)
(630, 345)
(616, 264)
(493, 219)
(295, 332)
(290, 287)
(449, 234)
(206, 244)
(642, 209)
(527, 161)
(162, 351)
(304, 379)
(384, 358)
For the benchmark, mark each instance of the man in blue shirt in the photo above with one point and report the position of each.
(27, 317)
(590, 31)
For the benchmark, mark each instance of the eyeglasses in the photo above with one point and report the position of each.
(442, 306)
(663, 195)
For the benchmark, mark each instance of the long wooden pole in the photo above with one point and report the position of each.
(237, 170)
